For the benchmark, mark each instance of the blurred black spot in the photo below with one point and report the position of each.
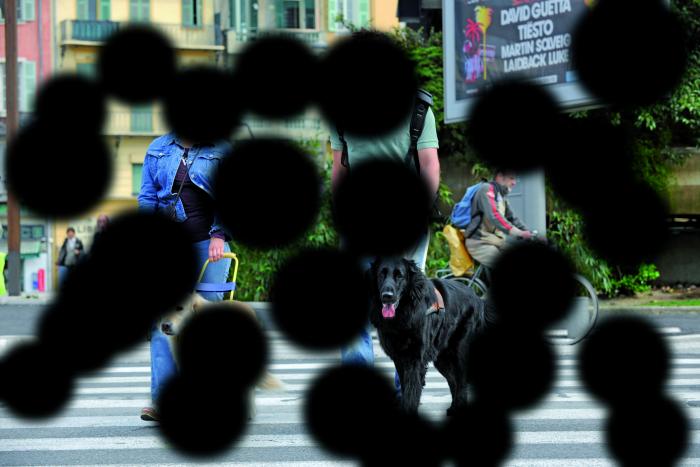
(636, 209)
(137, 64)
(624, 360)
(532, 285)
(34, 383)
(109, 302)
(609, 58)
(50, 178)
(478, 434)
(222, 346)
(159, 277)
(258, 72)
(319, 299)
(201, 420)
(277, 214)
(351, 410)
(381, 208)
(654, 432)
(69, 103)
(210, 113)
(71, 327)
(410, 440)
(507, 138)
(373, 86)
(509, 368)
(576, 174)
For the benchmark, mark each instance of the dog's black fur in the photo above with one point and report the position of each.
(412, 338)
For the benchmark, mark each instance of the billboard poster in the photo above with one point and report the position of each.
(489, 40)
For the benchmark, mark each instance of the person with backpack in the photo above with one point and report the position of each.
(487, 219)
(415, 143)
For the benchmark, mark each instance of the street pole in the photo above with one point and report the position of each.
(13, 221)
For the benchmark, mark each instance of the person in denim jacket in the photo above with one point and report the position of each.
(169, 161)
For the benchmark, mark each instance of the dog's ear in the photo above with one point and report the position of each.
(198, 302)
(418, 285)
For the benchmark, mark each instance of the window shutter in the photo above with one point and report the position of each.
(332, 14)
(2, 88)
(145, 10)
(136, 171)
(28, 86)
(83, 10)
(187, 12)
(200, 14)
(27, 11)
(309, 15)
(363, 14)
(88, 70)
(279, 13)
(105, 10)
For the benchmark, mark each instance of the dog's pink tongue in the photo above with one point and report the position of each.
(388, 311)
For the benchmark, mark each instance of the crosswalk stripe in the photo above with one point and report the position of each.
(588, 462)
(561, 462)
(297, 399)
(304, 376)
(285, 418)
(269, 441)
(110, 399)
(231, 464)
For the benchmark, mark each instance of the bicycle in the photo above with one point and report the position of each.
(578, 321)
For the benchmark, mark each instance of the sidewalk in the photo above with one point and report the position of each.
(34, 298)
(263, 308)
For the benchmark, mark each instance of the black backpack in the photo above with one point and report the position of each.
(421, 105)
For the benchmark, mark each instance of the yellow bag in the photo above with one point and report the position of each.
(461, 262)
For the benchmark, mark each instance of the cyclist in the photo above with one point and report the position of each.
(493, 220)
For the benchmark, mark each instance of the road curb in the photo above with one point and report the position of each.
(649, 310)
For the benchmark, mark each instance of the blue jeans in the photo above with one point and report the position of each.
(361, 352)
(162, 362)
(62, 272)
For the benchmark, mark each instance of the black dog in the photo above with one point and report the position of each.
(421, 321)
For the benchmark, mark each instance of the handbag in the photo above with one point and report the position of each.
(171, 210)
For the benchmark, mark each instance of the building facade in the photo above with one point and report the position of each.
(34, 58)
(317, 23)
(210, 32)
(80, 29)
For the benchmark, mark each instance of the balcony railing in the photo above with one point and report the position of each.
(236, 39)
(136, 123)
(143, 123)
(181, 37)
(301, 127)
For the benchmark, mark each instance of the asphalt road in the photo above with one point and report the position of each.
(101, 425)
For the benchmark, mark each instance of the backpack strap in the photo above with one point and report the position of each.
(420, 109)
(344, 160)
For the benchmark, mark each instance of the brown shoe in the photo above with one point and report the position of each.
(149, 414)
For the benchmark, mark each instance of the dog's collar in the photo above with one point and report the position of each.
(438, 306)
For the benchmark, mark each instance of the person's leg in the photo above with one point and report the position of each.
(419, 253)
(162, 361)
(62, 271)
(216, 272)
(163, 365)
(484, 253)
(360, 351)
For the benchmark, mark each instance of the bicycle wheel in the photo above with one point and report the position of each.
(581, 317)
(473, 283)
(443, 273)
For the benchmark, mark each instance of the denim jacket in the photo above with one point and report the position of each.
(160, 166)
